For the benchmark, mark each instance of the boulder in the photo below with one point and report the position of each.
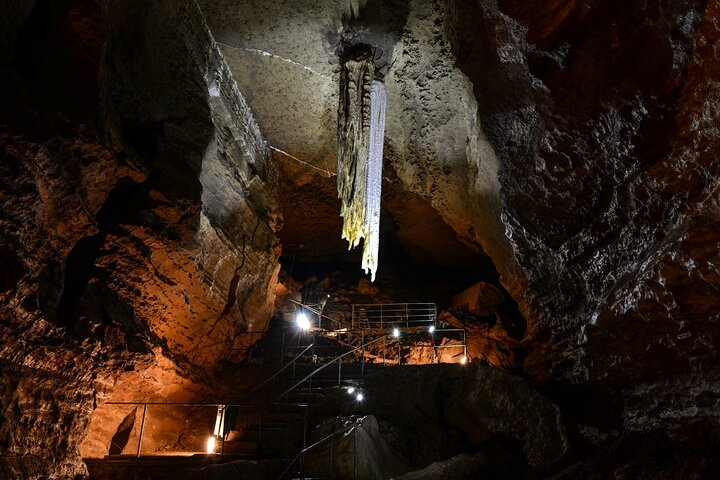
(482, 299)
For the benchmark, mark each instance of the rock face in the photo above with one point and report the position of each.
(459, 467)
(360, 452)
(481, 299)
(433, 412)
(603, 121)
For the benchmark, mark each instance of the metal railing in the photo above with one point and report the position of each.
(322, 367)
(402, 342)
(324, 321)
(383, 315)
(183, 429)
(301, 456)
(438, 341)
(274, 376)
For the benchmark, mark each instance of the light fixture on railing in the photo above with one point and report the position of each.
(211, 444)
(303, 322)
(431, 329)
(463, 360)
(351, 390)
(396, 332)
(360, 397)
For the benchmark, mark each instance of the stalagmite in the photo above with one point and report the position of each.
(361, 127)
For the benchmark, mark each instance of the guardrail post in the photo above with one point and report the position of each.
(399, 357)
(142, 429)
(355, 452)
(339, 371)
(362, 365)
(222, 430)
(305, 418)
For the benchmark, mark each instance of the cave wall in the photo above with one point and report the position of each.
(603, 118)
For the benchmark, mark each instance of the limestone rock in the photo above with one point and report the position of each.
(431, 404)
(361, 452)
(494, 403)
(481, 299)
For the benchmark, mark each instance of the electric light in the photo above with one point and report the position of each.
(396, 332)
(432, 328)
(211, 445)
(303, 321)
(351, 390)
(463, 360)
(360, 397)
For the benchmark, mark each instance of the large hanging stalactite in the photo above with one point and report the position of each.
(361, 125)
(356, 79)
(378, 99)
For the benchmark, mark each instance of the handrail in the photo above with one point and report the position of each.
(306, 449)
(224, 406)
(369, 315)
(278, 372)
(325, 365)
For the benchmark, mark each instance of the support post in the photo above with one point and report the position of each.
(142, 429)
(362, 365)
(355, 469)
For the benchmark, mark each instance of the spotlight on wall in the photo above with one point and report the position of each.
(360, 397)
(396, 332)
(351, 390)
(431, 329)
(463, 360)
(303, 321)
(211, 445)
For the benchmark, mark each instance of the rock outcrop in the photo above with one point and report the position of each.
(139, 249)
(433, 412)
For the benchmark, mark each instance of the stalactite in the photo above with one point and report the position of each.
(361, 126)
(353, 142)
(378, 99)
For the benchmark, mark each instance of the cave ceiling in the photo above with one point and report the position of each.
(284, 57)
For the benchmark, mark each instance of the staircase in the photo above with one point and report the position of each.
(270, 422)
